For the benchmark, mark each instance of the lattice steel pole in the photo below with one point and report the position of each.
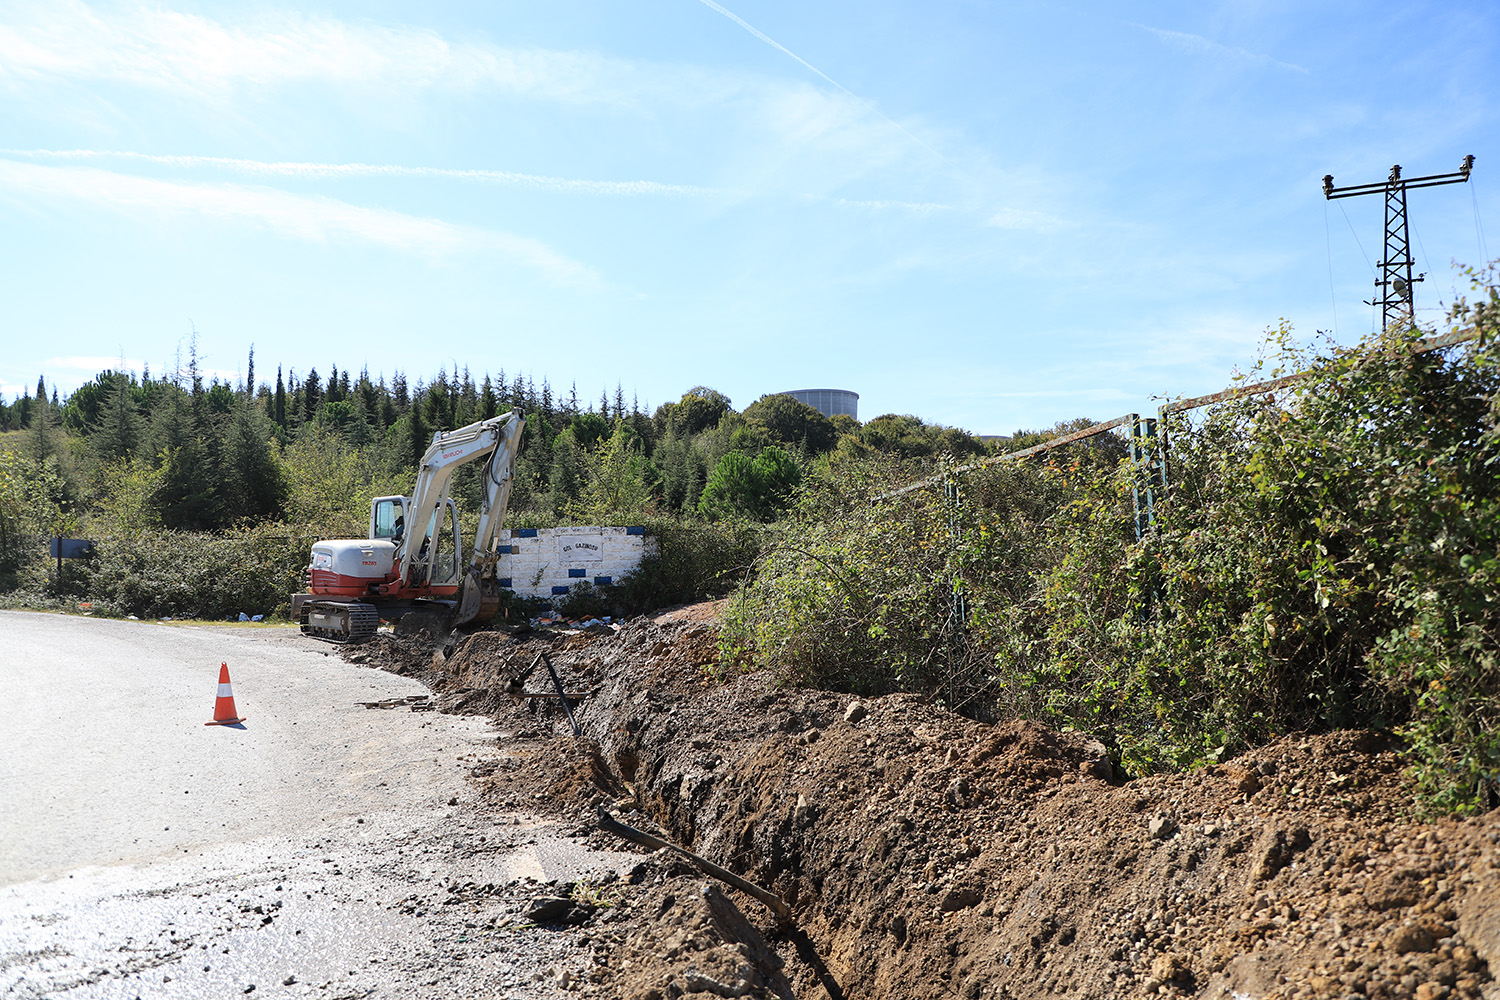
(1396, 299)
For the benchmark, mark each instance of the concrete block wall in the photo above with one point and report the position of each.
(548, 562)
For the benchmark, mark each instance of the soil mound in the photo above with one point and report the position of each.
(924, 854)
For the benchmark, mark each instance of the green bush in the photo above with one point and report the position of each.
(1326, 557)
(181, 574)
(694, 561)
(850, 591)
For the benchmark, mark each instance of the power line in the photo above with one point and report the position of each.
(1355, 234)
(1484, 251)
(1333, 298)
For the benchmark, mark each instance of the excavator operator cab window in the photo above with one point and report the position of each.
(385, 517)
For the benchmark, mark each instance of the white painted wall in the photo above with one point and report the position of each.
(541, 560)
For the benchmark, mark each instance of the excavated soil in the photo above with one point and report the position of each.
(926, 855)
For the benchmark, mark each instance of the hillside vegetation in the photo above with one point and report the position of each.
(204, 497)
(1325, 557)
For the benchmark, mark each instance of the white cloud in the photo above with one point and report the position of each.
(338, 171)
(1197, 45)
(1026, 220)
(538, 182)
(223, 62)
(156, 47)
(312, 219)
(788, 52)
(96, 363)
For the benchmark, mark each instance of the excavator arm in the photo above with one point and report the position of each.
(478, 594)
(497, 439)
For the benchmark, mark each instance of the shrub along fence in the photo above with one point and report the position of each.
(1326, 556)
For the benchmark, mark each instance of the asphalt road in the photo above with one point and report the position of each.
(107, 760)
(323, 850)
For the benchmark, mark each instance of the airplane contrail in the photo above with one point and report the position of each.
(752, 29)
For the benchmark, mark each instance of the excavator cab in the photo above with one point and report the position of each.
(387, 517)
(388, 521)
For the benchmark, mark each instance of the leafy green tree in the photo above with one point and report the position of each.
(86, 405)
(789, 421)
(589, 429)
(699, 409)
(906, 436)
(36, 502)
(623, 480)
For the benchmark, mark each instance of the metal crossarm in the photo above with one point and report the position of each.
(1396, 281)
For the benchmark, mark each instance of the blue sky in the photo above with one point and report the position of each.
(992, 215)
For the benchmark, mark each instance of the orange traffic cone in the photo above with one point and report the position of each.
(224, 712)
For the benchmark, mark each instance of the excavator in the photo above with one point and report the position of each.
(413, 559)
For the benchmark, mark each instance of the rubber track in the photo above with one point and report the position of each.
(364, 621)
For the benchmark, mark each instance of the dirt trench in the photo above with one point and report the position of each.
(927, 855)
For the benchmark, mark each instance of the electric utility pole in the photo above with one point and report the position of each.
(1396, 280)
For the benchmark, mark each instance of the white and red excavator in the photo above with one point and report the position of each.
(413, 559)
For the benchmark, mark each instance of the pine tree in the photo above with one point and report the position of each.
(279, 414)
(421, 437)
(250, 373)
(119, 433)
(563, 477)
(468, 401)
(194, 370)
(44, 427)
(312, 392)
(254, 486)
(489, 406)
